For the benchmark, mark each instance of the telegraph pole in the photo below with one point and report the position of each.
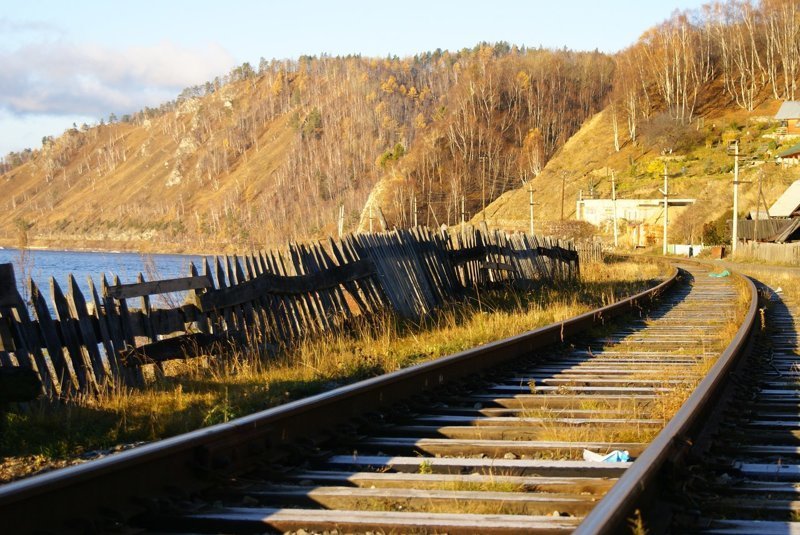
(463, 222)
(530, 193)
(614, 204)
(735, 232)
(665, 191)
(758, 206)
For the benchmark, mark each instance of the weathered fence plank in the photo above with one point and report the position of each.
(78, 353)
(103, 330)
(77, 308)
(141, 289)
(283, 285)
(188, 345)
(28, 342)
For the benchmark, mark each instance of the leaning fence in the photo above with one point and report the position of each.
(265, 298)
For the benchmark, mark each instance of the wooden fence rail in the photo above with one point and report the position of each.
(263, 299)
(774, 253)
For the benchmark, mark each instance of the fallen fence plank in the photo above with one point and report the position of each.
(180, 347)
(288, 285)
(500, 266)
(141, 289)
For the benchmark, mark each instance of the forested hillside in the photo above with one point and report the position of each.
(271, 153)
(684, 91)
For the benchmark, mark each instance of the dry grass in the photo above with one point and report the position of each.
(205, 392)
(666, 404)
(787, 280)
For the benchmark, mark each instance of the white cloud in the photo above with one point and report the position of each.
(19, 132)
(64, 78)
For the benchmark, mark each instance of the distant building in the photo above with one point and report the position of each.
(789, 116)
(600, 211)
(640, 219)
(783, 223)
(790, 156)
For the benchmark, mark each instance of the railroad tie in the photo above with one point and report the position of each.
(503, 456)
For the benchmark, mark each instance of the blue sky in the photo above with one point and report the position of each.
(78, 61)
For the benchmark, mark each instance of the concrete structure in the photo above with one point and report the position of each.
(789, 115)
(600, 211)
(637, 218)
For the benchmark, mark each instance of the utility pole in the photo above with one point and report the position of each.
(758, 205)
(760, 200)
(415, 210)
(614, 204)
(563, 183)
(370, 218)
(463, 222)
(530, 192)
(735, 232)
(341, 221)
(665, 191)
(483, 186)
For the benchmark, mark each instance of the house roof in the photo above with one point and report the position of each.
(794, 150)
(789, 110)
(787, 203)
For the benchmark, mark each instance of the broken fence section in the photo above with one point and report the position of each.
(262, 299)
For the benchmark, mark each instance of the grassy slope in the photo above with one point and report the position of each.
(703, 171)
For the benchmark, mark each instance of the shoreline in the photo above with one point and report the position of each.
(112, 247)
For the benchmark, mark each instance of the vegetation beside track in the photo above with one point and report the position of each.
(203, 392)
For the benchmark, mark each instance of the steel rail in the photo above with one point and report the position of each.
(113, 483)
(614, 511)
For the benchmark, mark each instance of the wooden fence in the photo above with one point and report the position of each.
(589, 252)
(262, 299)
(773, 253)
(763, 229)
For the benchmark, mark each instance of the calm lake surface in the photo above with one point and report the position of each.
(41, 265)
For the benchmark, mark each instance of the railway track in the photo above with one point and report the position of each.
(748, 479)
(491, 440)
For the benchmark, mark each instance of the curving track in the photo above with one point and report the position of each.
(498, 452)
(749, 479)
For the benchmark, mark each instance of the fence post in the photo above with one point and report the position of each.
(8, 285)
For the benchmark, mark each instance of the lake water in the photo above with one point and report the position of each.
(41, 265)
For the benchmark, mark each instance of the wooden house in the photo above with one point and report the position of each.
(789, 116)
(780, 224)
(790, 156)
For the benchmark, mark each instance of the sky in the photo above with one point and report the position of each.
(65, 62)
